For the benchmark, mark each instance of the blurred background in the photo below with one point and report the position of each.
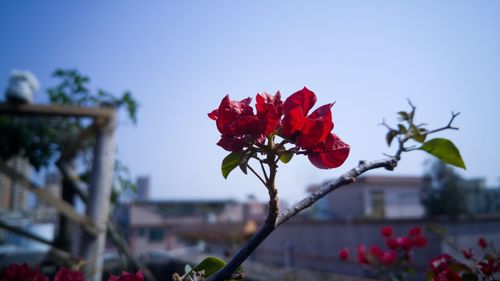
(169, 63)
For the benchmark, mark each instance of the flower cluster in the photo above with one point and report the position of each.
(393, 260)
(311, 133)
(16, 272)
(485, 266)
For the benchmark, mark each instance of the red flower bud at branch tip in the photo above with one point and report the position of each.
(386, 231)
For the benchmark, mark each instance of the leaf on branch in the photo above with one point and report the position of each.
(286, 157)
(245, 157)
(230, 162)
(404, 116)
(402, 129)
(390, 136)
(417, 136)
(445, 151)
(210, 265)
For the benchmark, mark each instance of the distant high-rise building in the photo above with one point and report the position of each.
(143, 184)
(13, 196)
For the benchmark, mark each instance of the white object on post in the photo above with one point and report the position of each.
(22, 86)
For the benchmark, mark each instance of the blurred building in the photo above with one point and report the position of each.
(13, 196)
(44, 212)
(170, 225)
(143, 188)
(378, 197)
(479, 198)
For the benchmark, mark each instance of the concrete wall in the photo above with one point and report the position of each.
(315, 244)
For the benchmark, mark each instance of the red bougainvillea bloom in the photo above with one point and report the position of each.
(127, 276)
(306, 130)
(405, 243)
(415, 231)
(467, 254)
(389, 258)
(420, 241)
(238, 124)
(330, 154)
(377, 252)
(269, 111)
(487, 267)
(344, 254)
(440, 266)
(386, 231)
(16, 272)
(482, 243)
(392, 243)
(362, 255)
(65, 274)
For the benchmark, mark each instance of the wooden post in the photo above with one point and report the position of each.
(98, 199)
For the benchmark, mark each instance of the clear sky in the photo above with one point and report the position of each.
(179, 58)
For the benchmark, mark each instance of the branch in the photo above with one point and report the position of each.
(271, 225)
(448, 126)
(62, 206)
(256, 174)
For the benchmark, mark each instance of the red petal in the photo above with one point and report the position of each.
(331, 154)
(311, 133)
(304, 98)
(293, 122)
(231, 143)
(213, 115)
(269, 111)
(246, 125)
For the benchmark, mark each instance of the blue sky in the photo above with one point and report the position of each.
(179, 58)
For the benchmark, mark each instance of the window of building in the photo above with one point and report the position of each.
(141, 232)
(156, 234)
(378, 205)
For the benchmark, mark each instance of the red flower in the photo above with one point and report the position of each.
(16, 272)
(269, 111)
(240, 127)
(377, 252)
(420, 241)
(440, 267)
(415, 231)
(389, 258)
(362, 255)
(65, 274)
(405, 243)
(127, 276)
(386, 231)
(482, 243)
(344, 254)
(392, 243)
(487, 267)
(330, 154)
(467, 254)
(306, 131)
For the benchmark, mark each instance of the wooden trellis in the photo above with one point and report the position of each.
(97, 199)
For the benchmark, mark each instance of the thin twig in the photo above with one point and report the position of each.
(255, 173)
(263, 170)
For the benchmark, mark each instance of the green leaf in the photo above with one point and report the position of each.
(416, 134)
(210, 265)
(402, 129)
(403, 116)
(459, 267)
(286, 157)
(390, 136)
(445, 150)
(469, 276)
(244, 161)
(230, 162)
(429, 276)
